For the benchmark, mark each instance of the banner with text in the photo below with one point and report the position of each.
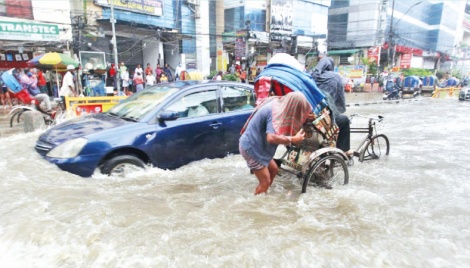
(10, 30)
(153, 7)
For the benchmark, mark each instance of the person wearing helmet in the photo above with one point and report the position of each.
(68, 85)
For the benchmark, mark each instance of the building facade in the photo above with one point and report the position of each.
(254, 30)
(407, 33)
(30, 27)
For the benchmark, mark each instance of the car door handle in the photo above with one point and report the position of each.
(215, 125)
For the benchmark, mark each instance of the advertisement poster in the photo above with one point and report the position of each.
(405, 61)
(240, 45)
(373, 54)
(352, 71)
(281, 19)
(88, 109)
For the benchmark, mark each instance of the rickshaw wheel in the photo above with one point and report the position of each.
(328, 172)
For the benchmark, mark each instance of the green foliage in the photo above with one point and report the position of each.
(230, 77)
(212, 74)
(416, 71)
(457, 74)
(371, 66)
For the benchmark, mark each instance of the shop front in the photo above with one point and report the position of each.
(21, 40)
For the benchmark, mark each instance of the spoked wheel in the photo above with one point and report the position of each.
(328, 172)
(16, 116)
(375, 148)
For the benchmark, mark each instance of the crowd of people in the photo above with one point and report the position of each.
(132, 81)
(40, 85)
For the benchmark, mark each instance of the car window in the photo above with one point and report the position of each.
(142, 103)
(195, 104)
(237, 98)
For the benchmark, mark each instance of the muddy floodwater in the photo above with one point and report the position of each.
(410, 209)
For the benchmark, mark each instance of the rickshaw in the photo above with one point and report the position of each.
(411, 86)
(429, 84)
(316, 161)
(28, 102)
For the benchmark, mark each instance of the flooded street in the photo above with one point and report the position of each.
(410, 209)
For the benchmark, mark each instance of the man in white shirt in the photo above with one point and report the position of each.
(68, 85)
(178, 71)
(150, 79)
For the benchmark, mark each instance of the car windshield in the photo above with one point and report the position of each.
(140, 104)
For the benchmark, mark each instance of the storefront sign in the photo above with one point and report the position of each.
(373, 54)
(352, 71)
(228, 37)
(10, 30)
(405, 61)
(153, 7)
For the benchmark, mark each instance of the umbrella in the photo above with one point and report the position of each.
(52, 60)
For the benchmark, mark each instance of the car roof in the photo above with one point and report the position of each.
(194, 83)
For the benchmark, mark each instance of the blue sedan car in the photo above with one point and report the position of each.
(166, 126)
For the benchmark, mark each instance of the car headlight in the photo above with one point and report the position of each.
(68, 149)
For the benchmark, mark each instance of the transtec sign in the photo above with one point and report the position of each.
(10, 30)
(153, 7)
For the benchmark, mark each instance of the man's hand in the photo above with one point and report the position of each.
(299, 137)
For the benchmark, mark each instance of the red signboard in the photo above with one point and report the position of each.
(373, 54)
(405, 61)
(406, 50)
(88, 109)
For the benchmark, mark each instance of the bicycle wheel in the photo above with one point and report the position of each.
(16, 115)
(328, 172)
(376, 147)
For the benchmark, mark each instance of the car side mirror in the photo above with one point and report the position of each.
(168, 116)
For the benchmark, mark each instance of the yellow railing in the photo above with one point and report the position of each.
(78, 106)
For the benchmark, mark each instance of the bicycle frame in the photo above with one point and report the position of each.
(369, 130)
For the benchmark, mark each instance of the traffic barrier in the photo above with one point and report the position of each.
(444, 93)
(78, 106)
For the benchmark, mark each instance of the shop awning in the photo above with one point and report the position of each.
(342, 52)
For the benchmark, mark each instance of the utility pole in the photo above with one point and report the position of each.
(116, 64)
(247, 24)
(391, 38)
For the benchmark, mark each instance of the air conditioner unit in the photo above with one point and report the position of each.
(193, 2)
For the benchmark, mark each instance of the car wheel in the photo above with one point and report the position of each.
(120, 165)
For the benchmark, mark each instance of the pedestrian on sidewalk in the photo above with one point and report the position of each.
(5, 95)
(138, 81)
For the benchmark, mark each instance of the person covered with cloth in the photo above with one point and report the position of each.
(331, 84)
(276, 120)
(29, 81)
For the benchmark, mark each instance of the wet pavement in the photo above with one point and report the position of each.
(408, 209)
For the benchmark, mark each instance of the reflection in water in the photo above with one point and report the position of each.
(408, 210)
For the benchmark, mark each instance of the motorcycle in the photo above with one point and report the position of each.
(392, 91)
